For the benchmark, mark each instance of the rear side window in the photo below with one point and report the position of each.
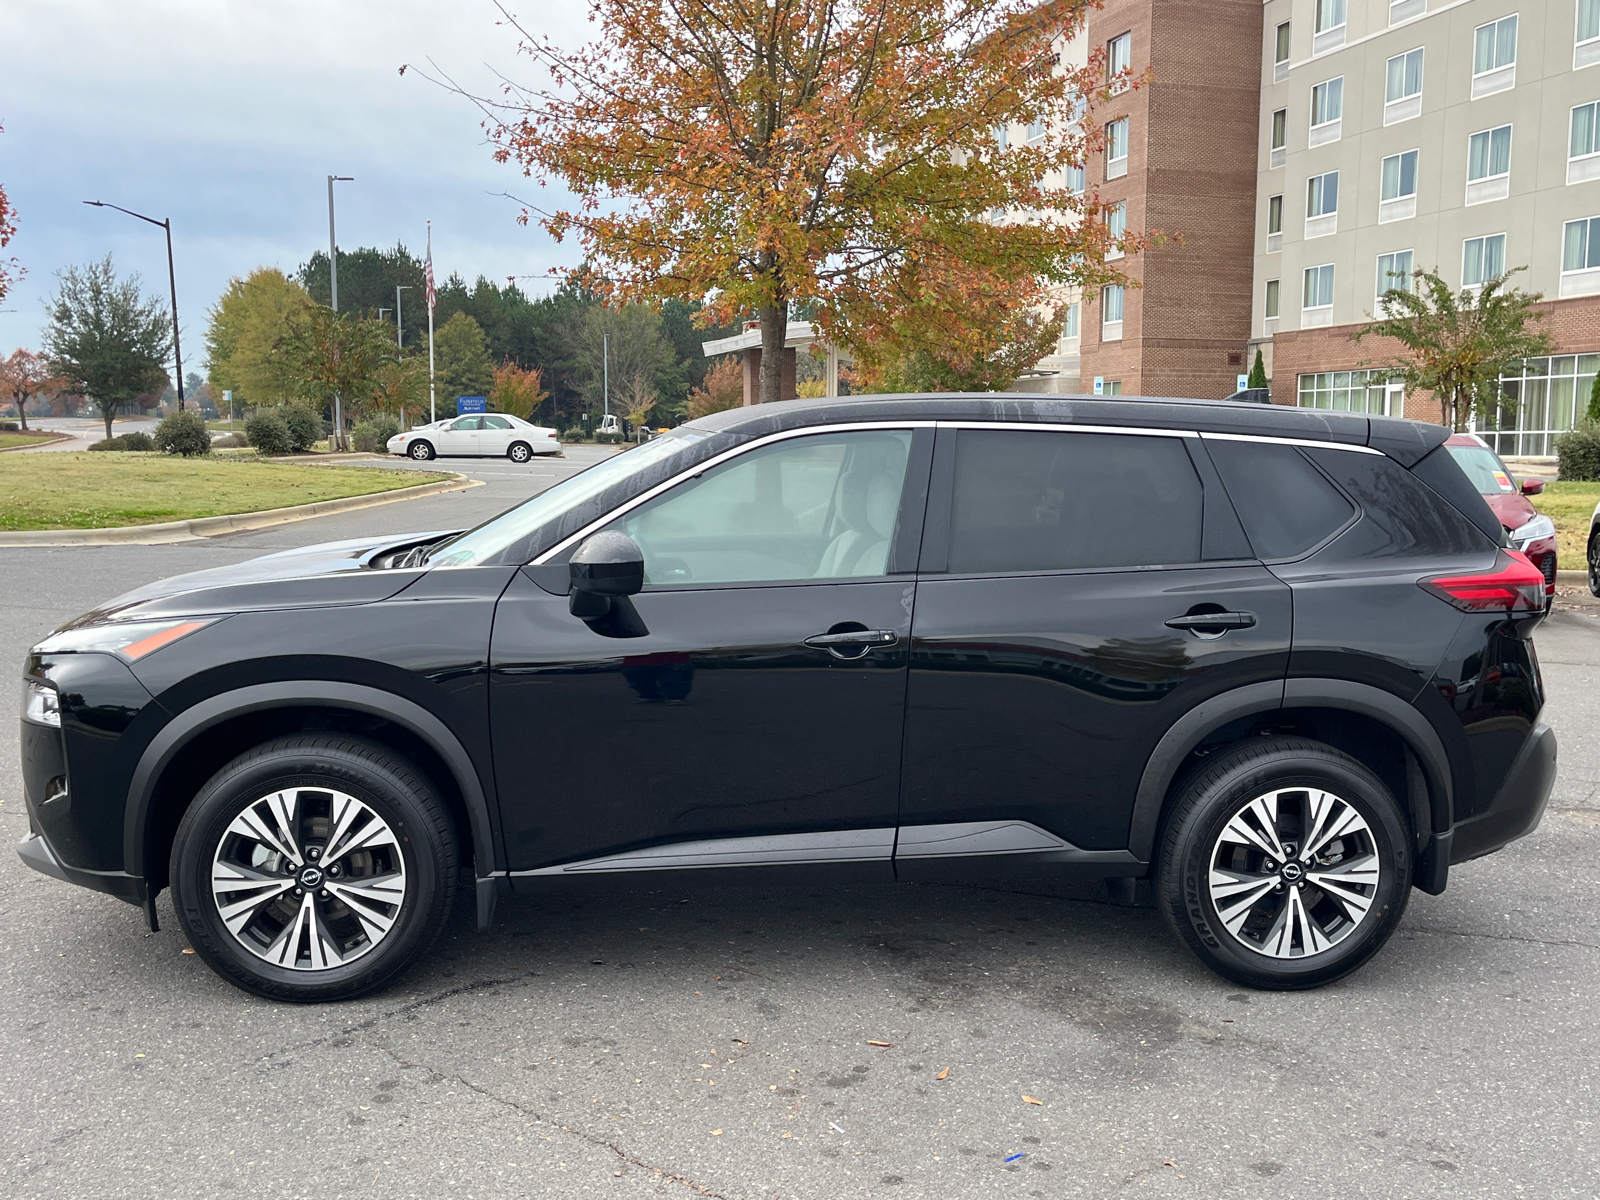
(1286, 504)
(1400, 518)
(1045, 501)
(1442, 472)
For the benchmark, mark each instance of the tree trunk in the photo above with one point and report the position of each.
(774, 327)
(22, 414)
(109, 414)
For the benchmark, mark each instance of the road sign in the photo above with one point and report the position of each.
(471, 404)
(1099, 385)
(1243, 381)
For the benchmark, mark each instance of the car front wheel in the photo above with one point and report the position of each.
(421, 451)
(315, 867)
(1594, 564)
(520, 452)
(1285, 864)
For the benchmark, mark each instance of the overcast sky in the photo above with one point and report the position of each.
(228, 115)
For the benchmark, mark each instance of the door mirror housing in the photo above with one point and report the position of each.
(1532, 487)
(605, 570)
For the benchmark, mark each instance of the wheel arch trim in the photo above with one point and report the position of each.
(182, 730)
(1210, 715)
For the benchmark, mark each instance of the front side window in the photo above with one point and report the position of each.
(1117, 141)
(466, 424)
(1403, 76)
(1483, 259)
(1280, 46)
(1399, 175)
(1271, 309)
(1322, 195)
(1489, 153)
(1035, 501)
(1580, 245)
(1330, 14)
(817, 507)
(1327, 101)
(1582, 140)
(1394, 272)
(1319, 287)
(1274, 214)
(1280, 129)
(1494, 45)
(1119, 55)
(1111, 304)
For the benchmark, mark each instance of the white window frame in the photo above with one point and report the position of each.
(1111, 330)
(1585, 50)
(1116, 226)
(1112, 70)
(1328, 24)
(1275, 236)
(1392, 274)
(1282, 32)
(1313, 315)
(1071, 325)
(1404, 10)
(1584, 280)
(1495, 78)
(1116, 168)
(1272, 300)
(1586, 166)
(1035, 132)
(1402, 205)
(1329, 128)
(1326, 220)
(1497, 186)
(1485, 238)
(1408, 104)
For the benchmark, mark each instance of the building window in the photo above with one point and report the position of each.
(1035, 132)
(1489, 165)
(1583, 144)
(1351, 391)
(1394, 272)
(1322, 204)
(1280, 129)
(1494, 56)
(1397, 197)
(1274, 214)
(1327, 107)
(1580, 257)
(1404, 10)
(1000, 137)
(1483, 259)
(1271, 310)
(1330, 14)
(1402, 92)
(1280, 53)
(1117, 227)
(1113, 387)
(1073, 178)
(1586, 47)
(1316, 302)
(1119, 59)
(1539, 403)
(1111, 313)
(1117, 149)
(1069, 324)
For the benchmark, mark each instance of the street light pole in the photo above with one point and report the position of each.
(333, 295)
(172, 282)
(399, 335)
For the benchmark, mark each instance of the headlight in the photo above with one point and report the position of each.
(1540, 527)
(41, 704)
(132, 640)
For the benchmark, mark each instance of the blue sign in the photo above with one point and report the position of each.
(471, 404)
(1099, 385)
(1241, 383)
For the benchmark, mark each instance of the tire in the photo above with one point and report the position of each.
(420, 450)
(1594, 564)
(1277, 928)
(519, 452)
(308, 794)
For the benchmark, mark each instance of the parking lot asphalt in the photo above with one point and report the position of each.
(675, 1042)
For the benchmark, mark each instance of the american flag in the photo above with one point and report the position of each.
(427, 269)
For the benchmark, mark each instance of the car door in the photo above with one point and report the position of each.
(758, 722)
(460, 436)
(495, 435)
(1060, 631)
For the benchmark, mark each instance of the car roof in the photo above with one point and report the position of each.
(1405, 441)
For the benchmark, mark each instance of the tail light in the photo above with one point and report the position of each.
(1515, 585)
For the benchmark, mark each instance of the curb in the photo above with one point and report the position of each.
(49, 441)
(1573, 578)
(201, 528)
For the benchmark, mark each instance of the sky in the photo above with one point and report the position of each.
(228, 115)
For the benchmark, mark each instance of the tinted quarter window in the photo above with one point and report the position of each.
(1046, 501)
(1286, 504)
(1399, 516)
(821, 507)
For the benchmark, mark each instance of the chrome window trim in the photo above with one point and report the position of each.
(1031, 426)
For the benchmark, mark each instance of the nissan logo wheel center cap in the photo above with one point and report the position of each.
(1292, 872)
(311, 878)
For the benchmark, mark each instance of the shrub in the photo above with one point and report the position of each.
(372, 434)
(268, 432)
(305, 426)
(137, 441)
(608, 438)
(115, 443)
(184, 433)
(8, 427)
(1578, 453)
(233, 441)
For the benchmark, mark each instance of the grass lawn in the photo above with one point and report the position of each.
(1569, 505)
(93, 491)
(9, 439)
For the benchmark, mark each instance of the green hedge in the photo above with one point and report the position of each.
(1578, 453)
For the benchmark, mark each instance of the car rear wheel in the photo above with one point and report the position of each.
(315, 867)
(421, 451)
(1285, 864)
(1594, 564)
(520, 452)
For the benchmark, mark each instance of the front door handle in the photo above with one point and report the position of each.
(853, 643)
(1213, 621)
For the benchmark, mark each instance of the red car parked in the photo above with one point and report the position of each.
(1527, 529)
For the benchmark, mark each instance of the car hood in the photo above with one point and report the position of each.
(329, 573)
(1511, 508)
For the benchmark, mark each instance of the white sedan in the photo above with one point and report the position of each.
(492, 434)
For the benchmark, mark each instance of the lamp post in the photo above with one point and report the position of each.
(399, 335)
(172, 282)
(333, 295)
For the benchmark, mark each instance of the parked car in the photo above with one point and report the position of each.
(1286, 677)
(1594, 551)
(490, 434)
(1527, 529)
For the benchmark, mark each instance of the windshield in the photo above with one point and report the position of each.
(1484, 468)
(497, 534)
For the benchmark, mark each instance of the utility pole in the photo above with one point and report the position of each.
(333, 295)
(605, 369)
(433, 407)
(172, 282)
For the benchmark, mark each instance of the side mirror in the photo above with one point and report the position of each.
(606, 569)
(1532, 487)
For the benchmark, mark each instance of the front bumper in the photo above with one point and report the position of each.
(36, 851)
(1517, 807)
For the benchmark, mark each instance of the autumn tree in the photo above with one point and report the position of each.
(637, 398)
(400, 383)
(331, 354)
(245, 336)
(10, 270)
(723, 388)
(1457, 345)
(517, 391)
(106, 337)
(840, 156)
(25, 375)
(624, 341)
(462, 365)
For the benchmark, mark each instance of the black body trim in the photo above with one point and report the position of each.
(1518, 805)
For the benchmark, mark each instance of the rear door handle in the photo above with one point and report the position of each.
(1213, 620)
(855, 637)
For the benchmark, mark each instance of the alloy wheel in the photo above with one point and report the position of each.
(1294, 872)
(308, 878)
(1594, 565)
(520, 453)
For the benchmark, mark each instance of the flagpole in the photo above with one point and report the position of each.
(433, 408)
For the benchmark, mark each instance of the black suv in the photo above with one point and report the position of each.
(1276, 661)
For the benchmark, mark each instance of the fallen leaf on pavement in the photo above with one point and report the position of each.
(716, 1133)
(1031, 1100)
(942, 1073)
(885, 1045)
(188, 949)
(1169, 1163)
